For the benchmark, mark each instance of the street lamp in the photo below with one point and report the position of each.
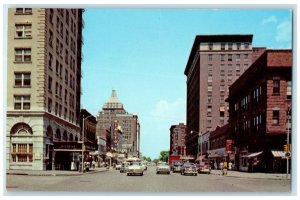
(83, 135)
(288, 140)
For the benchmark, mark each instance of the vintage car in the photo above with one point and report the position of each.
(188, 168)
(176, 166)
(163, 167)
(135, 168)
(124, 167)
(203, 167)
(118, 166)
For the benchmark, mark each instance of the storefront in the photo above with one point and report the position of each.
(251, 161)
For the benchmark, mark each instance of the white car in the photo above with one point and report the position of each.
(118, 166)
(135, 168)
(163, 167)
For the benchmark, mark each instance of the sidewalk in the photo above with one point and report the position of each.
(239, 174)
(53, 172)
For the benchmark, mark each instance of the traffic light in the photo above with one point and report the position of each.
(285, 148)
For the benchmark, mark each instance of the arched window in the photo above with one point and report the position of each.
(21, 129)
(71, 138)
(49, 132)
(65, 136)
(76, 138)
(58, 135)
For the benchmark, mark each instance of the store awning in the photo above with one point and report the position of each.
(215, 155)
(251, 155)
(278, 154)
(200, 158)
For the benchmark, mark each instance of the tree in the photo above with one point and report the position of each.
(164, 156)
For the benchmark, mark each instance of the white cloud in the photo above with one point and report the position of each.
(284, 32)
(271, 19)
(169, 111)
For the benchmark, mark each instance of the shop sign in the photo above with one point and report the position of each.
(229, 146)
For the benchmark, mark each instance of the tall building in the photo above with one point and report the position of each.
(113, 110)
(215, 62)
(260, 102)
(177, 139)
(43, 86)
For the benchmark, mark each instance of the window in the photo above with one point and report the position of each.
(67, 37)
(65, 117)
(289, 90)
(21, 11)
(66, 56)
(57, 46)
(56, 108)
(229, 68)
(23, 30)
(222, 46)
(209, 57)
(246, 45)
(222, 88)
(66, 76)
(49, 105)
(51, 15)
(209, 109)
(245, 67)
(229, 78)
(209, 67)
(209, 99)
(209, 88)
(238, 57)
(22, 102)
(222, 77)
(50, 84)
(22, 79)
(50, 61)
(60, 91)
(61, 49)
(56, 89)
(246, 56)
(276, 86)
(61, 30)
(222, 57)
(222, 68)
(238, 67)
(23, 55)
(229, 46)
(22, 152)
(50, 38)
(209, 78)
(67, 17)
(66, 96)
(208, 119)
(275, 117)
(238, 46)
(229, 57)
(57, 24)
(210, 46)
(222, 99)
(57, 67)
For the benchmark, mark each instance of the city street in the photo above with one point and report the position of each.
(113, 181)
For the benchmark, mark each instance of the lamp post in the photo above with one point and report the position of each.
(288, 140)
(83, 135)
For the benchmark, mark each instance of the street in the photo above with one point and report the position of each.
(113, 181)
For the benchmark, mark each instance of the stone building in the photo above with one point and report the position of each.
(43, 85)
(260, 102)
(177, 139)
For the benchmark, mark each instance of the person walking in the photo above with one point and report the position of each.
(225, 168)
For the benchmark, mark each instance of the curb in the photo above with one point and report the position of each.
(28, 174)
(269, 178)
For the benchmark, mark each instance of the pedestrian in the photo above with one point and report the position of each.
(225, 168)
(221, 167)
(215, 165)
(230, 166)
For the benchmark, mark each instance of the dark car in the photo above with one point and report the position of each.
(176, 166)
(188, 168)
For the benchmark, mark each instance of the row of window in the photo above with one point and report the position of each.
(58, 110)
(229, 67)
(222, 88)
(231, 46)
(22, 152)
(230, 57)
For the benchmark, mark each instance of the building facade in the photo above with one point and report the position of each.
(113, 110)
(177, 139)
(215, 62)
(43, 85)
(259, 102)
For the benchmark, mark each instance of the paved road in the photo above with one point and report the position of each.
(113, 181)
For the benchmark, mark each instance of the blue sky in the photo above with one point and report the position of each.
(143, 53)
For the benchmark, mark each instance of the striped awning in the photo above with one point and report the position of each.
(278, 154)
(251, 155)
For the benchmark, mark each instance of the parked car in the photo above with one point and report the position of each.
(188, 168)
(203, 167)
(176, 166)
(163, 167)
(124, 167)
(144, 165)
(135, 168)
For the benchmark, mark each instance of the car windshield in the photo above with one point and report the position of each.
(136, 163)
(163, 164)
(189, 165)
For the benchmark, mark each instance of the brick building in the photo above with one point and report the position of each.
(215, 62)
(259, 101)
(177, 139)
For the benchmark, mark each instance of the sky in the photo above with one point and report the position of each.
(142, 54)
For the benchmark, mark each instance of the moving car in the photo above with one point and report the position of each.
(203, 167)
(163, 167)
(124, 167)
(188, 168)
(135, 168)
(176, 166)
(118, 166)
